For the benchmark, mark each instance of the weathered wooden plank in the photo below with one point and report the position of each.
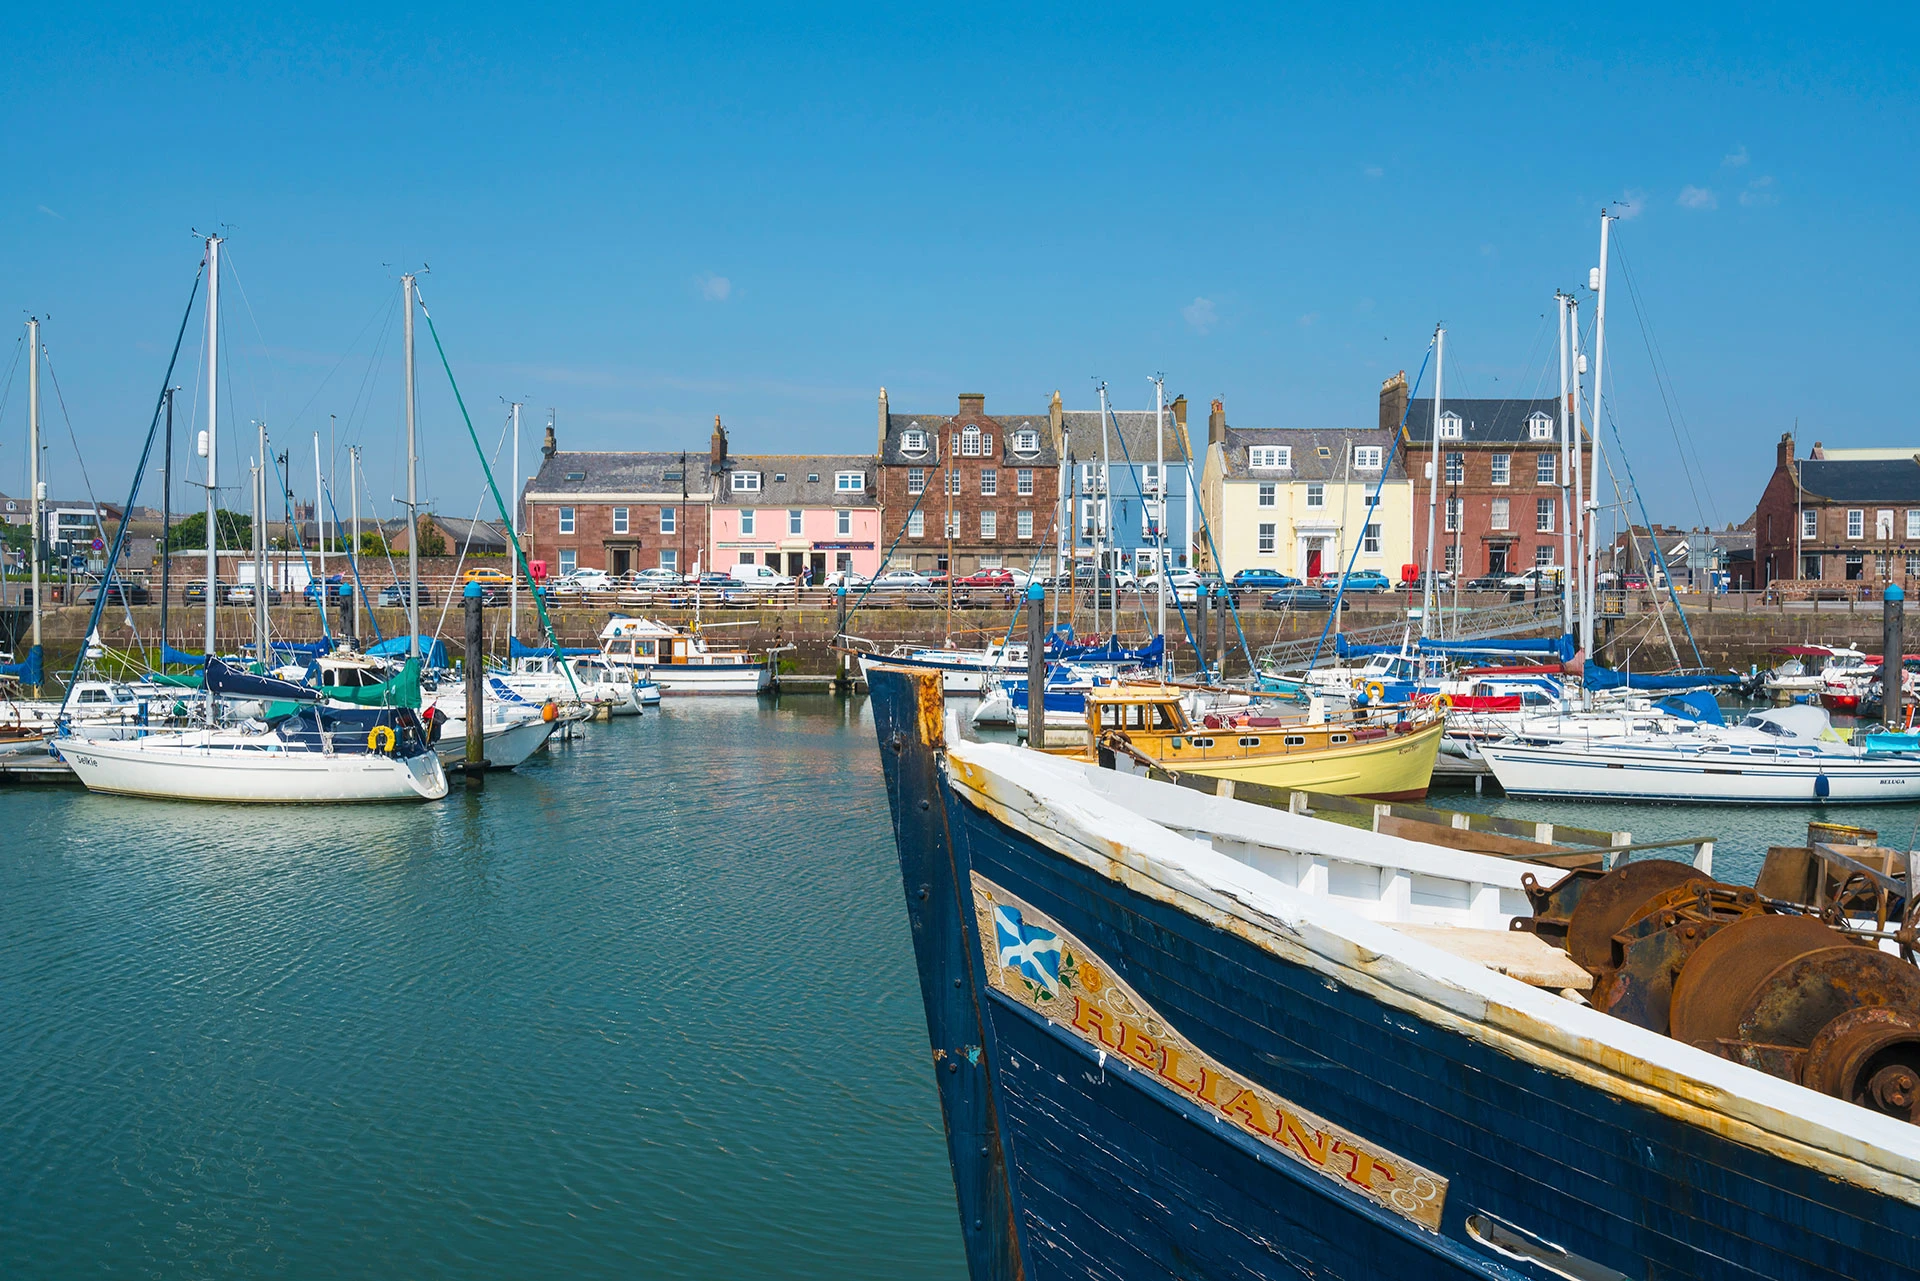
(1475, 842)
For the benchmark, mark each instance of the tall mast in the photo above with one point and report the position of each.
(1576, 371)
(166, 523)
(1599, 391)
(1567, 464)
(1106, 513)
(33, 470)
(260, 587)
(513, 523)
(212, 450)
(353, 548)
(413, 513)
(319, 519)
(1160, 499)
(1427, 594)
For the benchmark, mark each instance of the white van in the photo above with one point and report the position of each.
(764, 576)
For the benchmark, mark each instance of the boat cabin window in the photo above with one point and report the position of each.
(1136, 716)
(93, 695)
(1336, 738)
(1294, 740)
(1249, 742)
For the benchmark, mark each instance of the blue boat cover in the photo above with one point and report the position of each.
(1697, 705)
(1147, 655)
(1598, 677)
(224, 678)
(432, 652)
(1556, 647)
(517, 649)
(31, 670)
(299, 649)
(171, 657)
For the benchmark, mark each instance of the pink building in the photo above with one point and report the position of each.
(799, 513)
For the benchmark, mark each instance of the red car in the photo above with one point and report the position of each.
(987, 578)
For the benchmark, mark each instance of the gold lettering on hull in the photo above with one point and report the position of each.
(1033, 962)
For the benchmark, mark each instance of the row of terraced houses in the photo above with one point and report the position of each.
(967, 490)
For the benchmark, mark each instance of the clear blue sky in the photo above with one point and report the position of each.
(767, 214)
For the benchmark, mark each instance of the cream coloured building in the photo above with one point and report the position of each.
(1296, 500)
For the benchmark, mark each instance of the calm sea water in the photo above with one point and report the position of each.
(646, 1008)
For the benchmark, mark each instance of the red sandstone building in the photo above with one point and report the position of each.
(1500, 508)
(620, 511)
(1839, 516)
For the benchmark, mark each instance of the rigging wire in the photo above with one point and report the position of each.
(1669, 399)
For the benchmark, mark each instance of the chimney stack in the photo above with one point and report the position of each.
(973, 404)
(1056, 426)
(549, 447)
(1783, 452)
(1819, 452)
(717, 448)
(1393, 402)
(883, 422)
(1217, 424)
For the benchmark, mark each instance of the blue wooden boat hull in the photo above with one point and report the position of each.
(1073, 1159)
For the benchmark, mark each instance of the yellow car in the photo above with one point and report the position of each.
(487, 577)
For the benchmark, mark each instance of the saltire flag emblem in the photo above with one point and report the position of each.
(1031, 951)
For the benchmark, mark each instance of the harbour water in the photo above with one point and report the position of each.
(646, 1008)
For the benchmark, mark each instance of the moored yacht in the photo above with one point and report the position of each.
(679, 660)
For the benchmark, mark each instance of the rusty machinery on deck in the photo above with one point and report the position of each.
(1790, 977)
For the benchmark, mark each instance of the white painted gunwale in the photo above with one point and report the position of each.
(1053, 801)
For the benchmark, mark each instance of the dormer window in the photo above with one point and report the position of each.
(1270, 457)
(1449, 426)
(1026, 441)
(850, 482)
(1539, 427)
(746, 482)
(779, 478)
(813, 478)
(913, 441)
(1366, 457)
(970, 443)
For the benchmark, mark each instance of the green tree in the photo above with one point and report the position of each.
(430, 541)
(236, 531)
(372, 543)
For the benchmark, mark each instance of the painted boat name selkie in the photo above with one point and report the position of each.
(1033, 962)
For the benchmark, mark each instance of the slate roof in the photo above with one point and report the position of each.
(938, 426)
(1484, 422)
(796, 490)
(1848, 480)
(1135, 426)
(620, 472)
(1307, 443)
(486, 535)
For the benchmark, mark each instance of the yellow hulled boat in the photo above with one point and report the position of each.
(1389, 762)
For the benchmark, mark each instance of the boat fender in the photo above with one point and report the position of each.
(1443, 702)
(1821, 787)
(381, 738)
(1375, 691)
(550, 711)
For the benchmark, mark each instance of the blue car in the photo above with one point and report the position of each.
(1262, 580)
(337, 586)
(1364, 580)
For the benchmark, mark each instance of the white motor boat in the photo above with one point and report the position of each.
(508, 736)
(595, 682)
(962, 671)
(680, 661)
(1786, 756)
(1806, 667)
(320, 754)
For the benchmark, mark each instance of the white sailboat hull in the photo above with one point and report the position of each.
(186, 767)
(709, 678)
(1601, 771)
(957, 677)
(504, 745)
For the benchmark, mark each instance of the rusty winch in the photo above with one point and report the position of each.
(1790, 977)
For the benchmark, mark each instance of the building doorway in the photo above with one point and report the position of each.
(1497, 558)
(818, 562)
(1313, 558)
(619, 561)
(796, 561)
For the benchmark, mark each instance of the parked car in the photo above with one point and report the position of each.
(243, 594)
(988, 578)
(119, 592)
(336, 586)
(1083, 578)
(1545, 578)
(1262, 580)
(395, 594)
(581, 581)
(656, 579)
(903, 578)
(1299, 598)
(1635, 582)
(1487, 583)
(1442, 581)
(195, 592)
(851, 580)
(711, 579)
(1363, 580)
(763, 577)
(495, 581)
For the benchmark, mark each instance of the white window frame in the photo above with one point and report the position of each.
(747, 523)
(1267, 532)
(916, 481)
(1026, 441)
(1268, 494)
(1270, 457)
(1454, 469)
(1150, 478)
(1546, 469)
(1543, 556)
(953, 481)
(620, 521)
(953, 524)
(1452, 515)
(1500, 469)
(569, 560)
(1499, 514)
(746, 482)
(669, 520)
(1023, 526)
(1546, 511)
(566, 520)
(970, 442)
(1370, 540)
(913, 441)
(1316, 496)
(1856, 522)
(1450, 426)
(989, 524)
(1883, 525)
(850, 482)
(796, 521)
(989, 482)
(1913, 522)
(843, 523)
(1809, 522)
(916, 524)
(1450, 558)
(1366, 457)
(670, 559)
(1023, 482)
(1539, 427)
